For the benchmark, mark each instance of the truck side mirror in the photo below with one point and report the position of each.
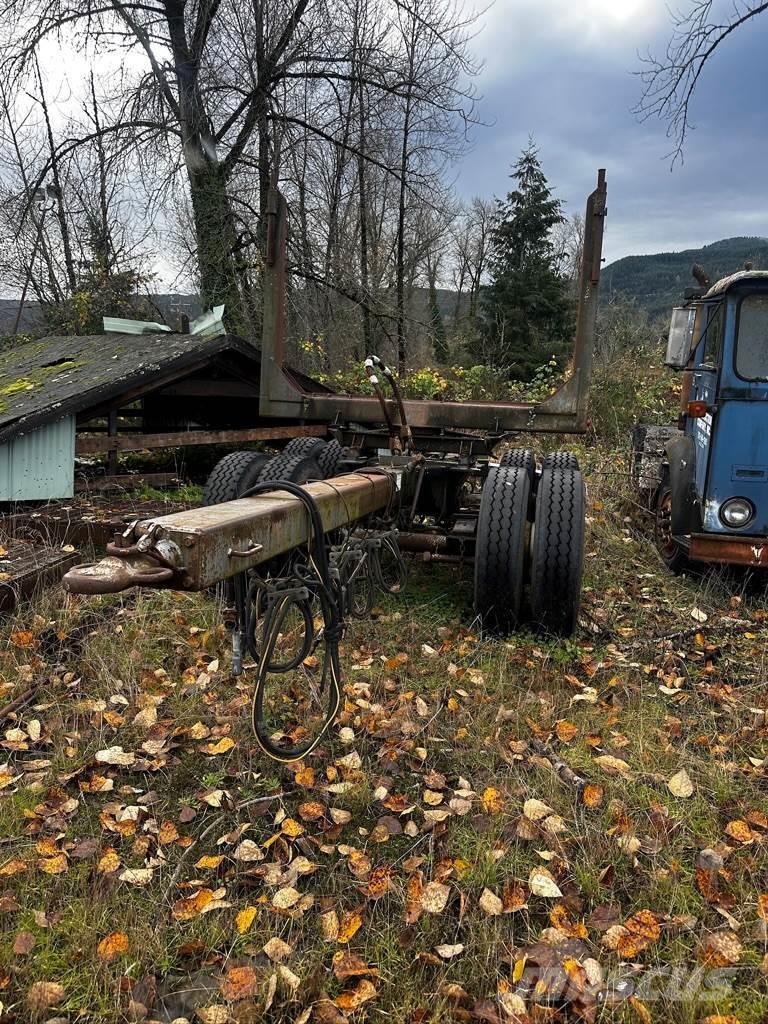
(680, 336)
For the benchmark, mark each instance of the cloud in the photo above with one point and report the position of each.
(567, 73)
(520, 34)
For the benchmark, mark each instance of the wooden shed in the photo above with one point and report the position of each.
(63, 397)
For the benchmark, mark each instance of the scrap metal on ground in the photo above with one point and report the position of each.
(26, 567)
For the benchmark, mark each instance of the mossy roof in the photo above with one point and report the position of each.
(52, 377)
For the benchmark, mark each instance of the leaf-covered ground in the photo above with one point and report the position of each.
(496, 831)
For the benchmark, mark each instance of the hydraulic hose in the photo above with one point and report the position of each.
(278, 607)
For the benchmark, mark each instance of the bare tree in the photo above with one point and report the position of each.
(71, 238)
(434, 44)
(568, 241)
(670, 80)
(470, 250)
(221, 80)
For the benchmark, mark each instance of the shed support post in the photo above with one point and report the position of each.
(112, 454)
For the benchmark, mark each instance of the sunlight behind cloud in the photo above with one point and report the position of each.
(597, 15)
(519, 33)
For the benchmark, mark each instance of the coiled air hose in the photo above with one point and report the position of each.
(278, 602)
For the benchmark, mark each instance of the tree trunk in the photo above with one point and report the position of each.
(215, 240)
(61, 216)
(361, 179)
(211, 208)
(400, 254)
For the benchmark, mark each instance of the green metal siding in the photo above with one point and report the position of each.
(39, 465)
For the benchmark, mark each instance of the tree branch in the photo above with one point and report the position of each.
(670, 82)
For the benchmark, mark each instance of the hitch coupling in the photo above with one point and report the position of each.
(150, 561)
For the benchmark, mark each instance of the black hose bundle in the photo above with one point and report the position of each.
(274, 602)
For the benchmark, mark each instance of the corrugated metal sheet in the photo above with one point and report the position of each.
(39, 465)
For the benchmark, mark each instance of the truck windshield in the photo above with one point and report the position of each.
(752, 344)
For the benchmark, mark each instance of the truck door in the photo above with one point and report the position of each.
(738, 456)
(704, 377)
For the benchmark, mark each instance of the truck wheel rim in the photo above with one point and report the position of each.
(664, 539)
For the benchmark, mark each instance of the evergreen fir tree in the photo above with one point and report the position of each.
(528, 313)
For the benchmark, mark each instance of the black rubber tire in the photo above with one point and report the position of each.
(232, 475)
(557, 557)
(252, 473)
(228, 479)
(561, 460)
(501, 546)
(330, 457)
(297, 469)
(304, 446)
(520, 458)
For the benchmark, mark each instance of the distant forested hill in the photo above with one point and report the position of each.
(657, 282)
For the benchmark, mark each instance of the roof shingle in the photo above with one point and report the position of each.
(57, 376)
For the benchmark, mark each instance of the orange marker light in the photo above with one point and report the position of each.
(696, 410)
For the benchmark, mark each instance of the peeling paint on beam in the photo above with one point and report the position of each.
(274, 523)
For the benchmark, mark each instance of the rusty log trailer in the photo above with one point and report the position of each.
(522, 523)
(314, 530)
(566, 411)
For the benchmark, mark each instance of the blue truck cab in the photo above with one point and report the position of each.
(711, 502)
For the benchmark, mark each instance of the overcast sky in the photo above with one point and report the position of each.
(562, 70)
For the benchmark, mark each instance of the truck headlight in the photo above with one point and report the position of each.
(737, 512)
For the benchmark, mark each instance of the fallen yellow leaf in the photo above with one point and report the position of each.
(225, 744)
(740, 831)
(434, 897)
(350, 924)
(112, 946)
(352, 999)
(22, 638)
(492, 801)
(490, 903)
(209, 863)
(276, 949)
(109, 861)
(592, 795)
(680, 785)
(56, 865)
(244, 919)
(189, 908)
(239, 983)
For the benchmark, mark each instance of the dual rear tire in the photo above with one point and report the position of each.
(233, 475)
(303, 459)
(529, 552)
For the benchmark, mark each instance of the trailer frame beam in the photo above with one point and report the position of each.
(203, 546)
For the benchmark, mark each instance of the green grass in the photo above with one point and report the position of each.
(468, 712)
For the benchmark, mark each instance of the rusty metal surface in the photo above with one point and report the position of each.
(112, 575)
(25, 567)
(87, 444)
(586, 318)
(722, 286)
(219, 541)
(563, 412)
(495, 417)
(83, 522)
(729, 550)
